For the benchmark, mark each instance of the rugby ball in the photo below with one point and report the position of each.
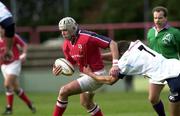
(67, 67)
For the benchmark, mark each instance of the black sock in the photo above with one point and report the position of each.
(159, 108)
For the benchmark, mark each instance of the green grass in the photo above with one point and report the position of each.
(112, 104)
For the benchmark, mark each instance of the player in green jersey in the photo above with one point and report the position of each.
(165, 40)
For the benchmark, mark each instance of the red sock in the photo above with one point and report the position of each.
(96, 111)
(24, 97)
(10, 99)
(60, 108)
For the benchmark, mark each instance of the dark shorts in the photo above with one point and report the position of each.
(9, 26)
(5, 23)
(174, 85)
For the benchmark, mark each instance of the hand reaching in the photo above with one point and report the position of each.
(87, 70)
(56, 70)
(114, 71)
(22, 57)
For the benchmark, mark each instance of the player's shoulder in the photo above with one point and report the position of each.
(86, 33)
(86, 36)
(174, 29)
(17, 37)
(151, 30)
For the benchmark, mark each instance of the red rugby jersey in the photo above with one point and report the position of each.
(86, 50)
(17, 42)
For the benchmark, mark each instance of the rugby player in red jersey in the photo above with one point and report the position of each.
(11, 70)
(81, 48)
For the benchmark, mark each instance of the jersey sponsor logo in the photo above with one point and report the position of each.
(167, 38)
(80, 46)
(79, 52)
(77, 56)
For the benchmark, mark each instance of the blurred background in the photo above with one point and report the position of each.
(37, 22)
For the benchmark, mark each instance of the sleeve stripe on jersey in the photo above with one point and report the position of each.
(94, 35)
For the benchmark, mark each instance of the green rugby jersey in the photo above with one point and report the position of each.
(165, 42)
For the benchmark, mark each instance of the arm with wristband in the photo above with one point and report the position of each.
(115, 56)
(115, 62)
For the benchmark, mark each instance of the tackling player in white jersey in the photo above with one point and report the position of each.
(138, 59)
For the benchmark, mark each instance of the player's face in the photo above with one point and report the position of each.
(159, 19)
(66, 34)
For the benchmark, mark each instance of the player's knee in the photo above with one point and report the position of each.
(153, 99)
(7, 85)
(9, 89)
(18, 91)
(64, 92)
(86, 104)
(174, 97)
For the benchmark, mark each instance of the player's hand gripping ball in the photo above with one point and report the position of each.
(67, 67)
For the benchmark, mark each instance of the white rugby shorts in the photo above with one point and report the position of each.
(13, 68)
(157, 82)
(87, 83)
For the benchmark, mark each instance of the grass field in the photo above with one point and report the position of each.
(112, 104)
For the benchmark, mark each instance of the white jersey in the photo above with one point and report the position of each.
(141, 60)
(4, 12)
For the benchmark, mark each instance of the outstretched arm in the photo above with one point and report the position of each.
(110, 80)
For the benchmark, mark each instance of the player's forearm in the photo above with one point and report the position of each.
(25, 48)
(103, 79)
(23, 55)
(114, 50)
